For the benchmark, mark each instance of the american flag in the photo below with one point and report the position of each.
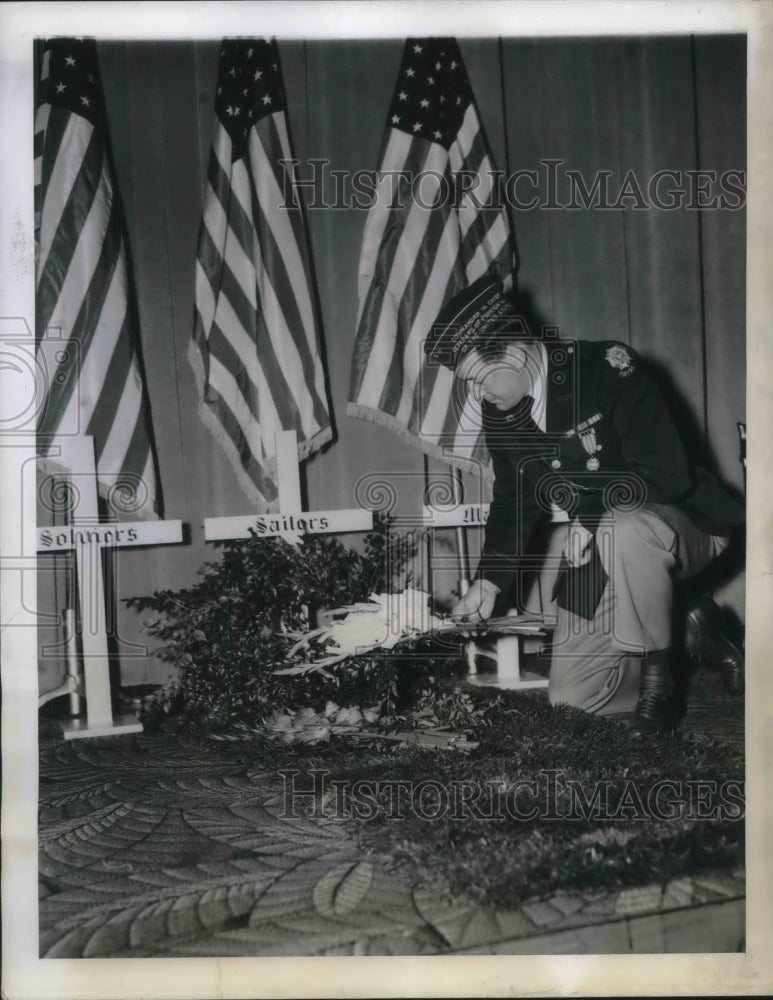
(256, 345)
(85, 318)
(428, 234)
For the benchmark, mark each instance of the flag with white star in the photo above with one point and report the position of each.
(436, 224)
(85, 317)
(256, 342)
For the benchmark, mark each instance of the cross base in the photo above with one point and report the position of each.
(494, 680)
(507, 676)
(80, 729)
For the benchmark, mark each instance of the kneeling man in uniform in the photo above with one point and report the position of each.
(583, 426)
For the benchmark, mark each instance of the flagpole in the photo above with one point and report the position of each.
(462, 552)
(69, 625)
(426, 537)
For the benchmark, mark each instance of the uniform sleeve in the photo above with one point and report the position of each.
(513, 513)
(656, 466)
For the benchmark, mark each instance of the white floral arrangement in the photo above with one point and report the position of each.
(308, 726)
(379, 623)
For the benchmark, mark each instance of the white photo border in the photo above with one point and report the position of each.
(27, 976)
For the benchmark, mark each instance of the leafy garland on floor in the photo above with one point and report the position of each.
(484, 851)
(667, 807)
(227, 635)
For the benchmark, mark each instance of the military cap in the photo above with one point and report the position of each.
(474, 317)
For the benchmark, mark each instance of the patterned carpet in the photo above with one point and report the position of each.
(161, 845)
(156, 846)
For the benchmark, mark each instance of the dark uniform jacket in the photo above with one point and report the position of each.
(610, 444)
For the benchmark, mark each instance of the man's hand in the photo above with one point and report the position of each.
(578, 546)
(478, 603)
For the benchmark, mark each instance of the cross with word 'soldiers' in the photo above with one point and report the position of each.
(291, 521)
(88, 536)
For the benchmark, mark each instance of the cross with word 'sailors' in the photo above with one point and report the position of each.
(291, 521)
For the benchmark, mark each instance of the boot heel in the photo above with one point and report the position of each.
(656, 708)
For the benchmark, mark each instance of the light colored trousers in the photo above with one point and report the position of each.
(595, 664)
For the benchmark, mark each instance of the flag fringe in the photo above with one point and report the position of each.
(215, 427)
(433, 450)
(312, 444)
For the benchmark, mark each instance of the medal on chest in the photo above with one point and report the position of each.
(586, 434)
(591, 446)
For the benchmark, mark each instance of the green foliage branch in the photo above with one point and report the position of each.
(226, 635)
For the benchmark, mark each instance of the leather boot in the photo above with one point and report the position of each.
(707, 645)
(656, 708)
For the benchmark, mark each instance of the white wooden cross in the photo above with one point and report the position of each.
(88, 536)
(291, 521)
(508, 647)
